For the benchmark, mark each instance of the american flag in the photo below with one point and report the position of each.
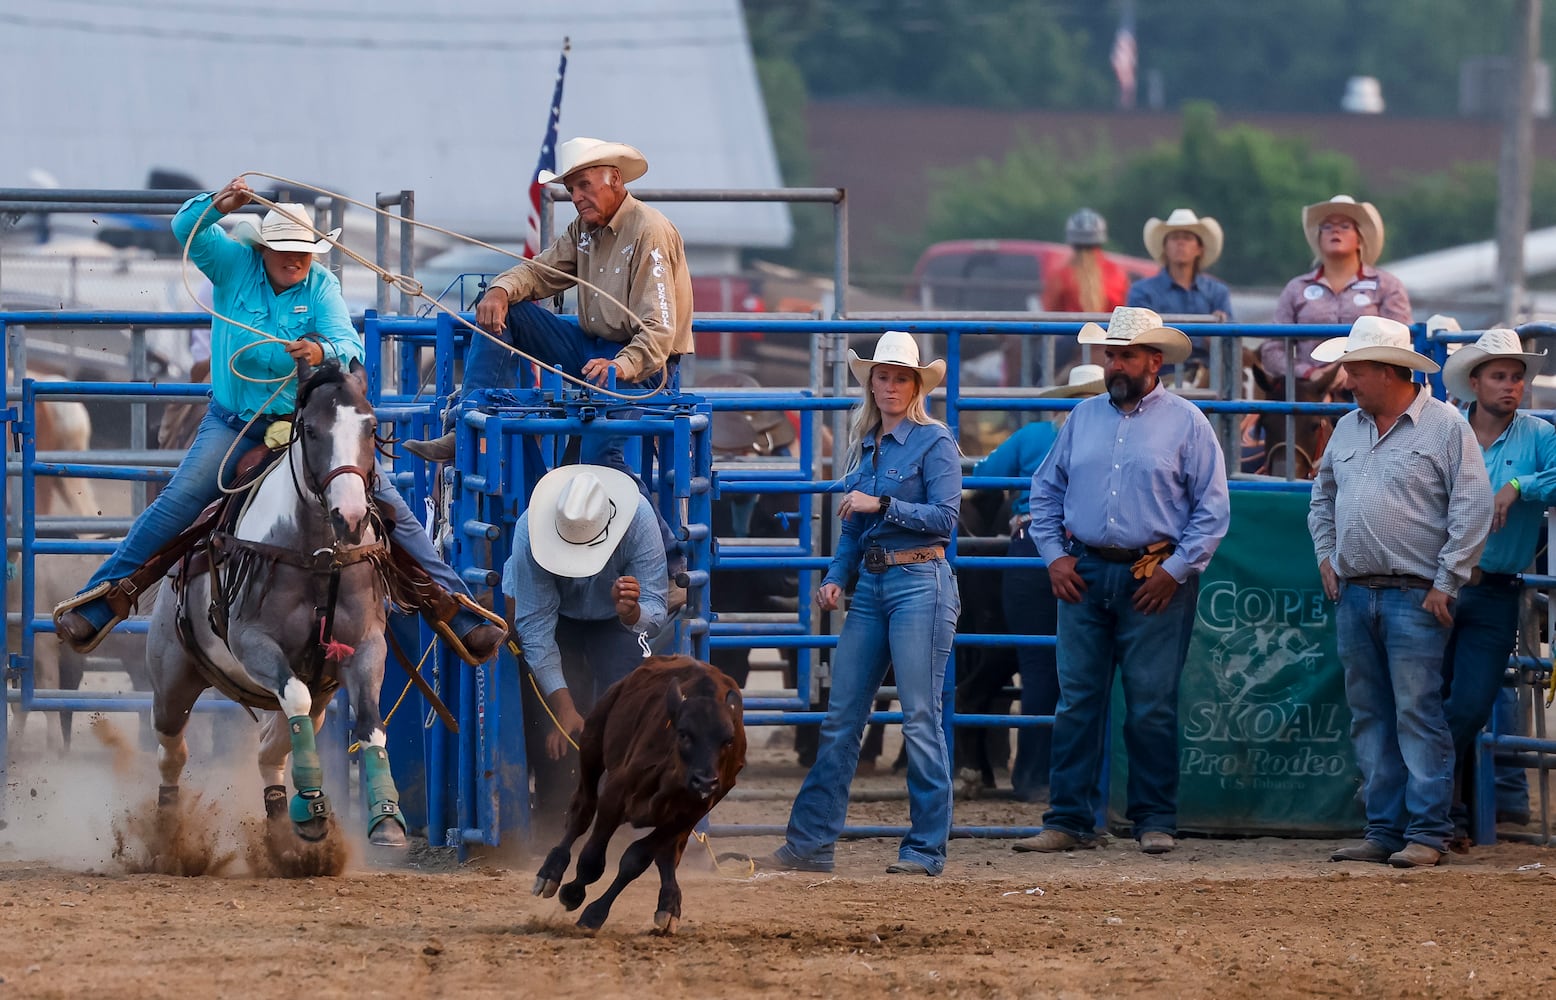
(1123, 58)
(547, 159)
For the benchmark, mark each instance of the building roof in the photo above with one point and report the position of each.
(362, 96)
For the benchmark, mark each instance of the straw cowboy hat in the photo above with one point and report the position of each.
(897, 348)
(1085, 380)
(1183, 220)
(578, 514)
(1492, 346)
(761, 431)
(1368, 223)
(575, 154)
(280, 230)
(1373, 338)
(1134, 327)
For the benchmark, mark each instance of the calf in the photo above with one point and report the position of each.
(669, 741)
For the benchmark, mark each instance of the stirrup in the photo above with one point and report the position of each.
(445, 629)
(87, 597)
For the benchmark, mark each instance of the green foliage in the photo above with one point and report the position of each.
(1254, 183)
(1265, 55)
(783, 89)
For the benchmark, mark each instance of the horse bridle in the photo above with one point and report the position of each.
(369, 476)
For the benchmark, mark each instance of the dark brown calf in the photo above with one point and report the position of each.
(669, 740)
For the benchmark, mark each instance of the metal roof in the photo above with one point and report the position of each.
(447, 98)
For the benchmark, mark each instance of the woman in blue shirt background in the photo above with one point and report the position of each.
(901, 499)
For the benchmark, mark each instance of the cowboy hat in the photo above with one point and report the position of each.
(768, 430)
(1085, 380)
(1183, 220)
(1130, 326)
(897, 348)
(578, 514)
(1374, 338)
(1368, 223)
(576, 154)
(284, 228)
(1492, 345)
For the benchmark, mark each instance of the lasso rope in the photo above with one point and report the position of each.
(409, 286)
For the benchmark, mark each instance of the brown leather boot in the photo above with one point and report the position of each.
(438, 449)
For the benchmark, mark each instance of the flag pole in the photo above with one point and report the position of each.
(537, 226)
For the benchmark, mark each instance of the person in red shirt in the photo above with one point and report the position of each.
(1090, 282)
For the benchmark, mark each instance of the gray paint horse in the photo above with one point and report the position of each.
(303, 578)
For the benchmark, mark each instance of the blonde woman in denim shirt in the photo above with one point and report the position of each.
(901, 499)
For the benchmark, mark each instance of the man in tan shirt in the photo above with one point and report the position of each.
(635, 315)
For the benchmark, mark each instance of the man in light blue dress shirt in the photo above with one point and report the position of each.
(1127, 510)
(587, 583)
(1520, 454)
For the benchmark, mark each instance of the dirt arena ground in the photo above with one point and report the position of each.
(1218, 918)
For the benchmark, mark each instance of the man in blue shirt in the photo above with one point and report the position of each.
(587, 584)
(1186, 245)
(1520, 453)
(1127, 510)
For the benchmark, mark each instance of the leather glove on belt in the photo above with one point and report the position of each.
(1155, 554)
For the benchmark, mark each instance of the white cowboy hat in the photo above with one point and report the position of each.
(1085, 380)
(1373, 338)
(1183, 220)
(1492, 345)
(1368, 223)
(578, 514)
(897, 348)
(285, 228)
(575, 154)
(1130, 326)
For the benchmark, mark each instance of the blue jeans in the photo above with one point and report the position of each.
(1392, 650)
(1103, 631)
(195, 484)
(1031, 609)
(544, 335)
(595, 655)
(905, 617)
(1485, 629)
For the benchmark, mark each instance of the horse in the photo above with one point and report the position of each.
(1299, 455)
(59, 425)
(302, 578)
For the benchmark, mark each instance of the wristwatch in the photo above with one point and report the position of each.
(885, 503)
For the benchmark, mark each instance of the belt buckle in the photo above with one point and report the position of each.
(875, 559)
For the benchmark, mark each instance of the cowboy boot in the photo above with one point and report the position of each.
(438, 449)
(471, 631)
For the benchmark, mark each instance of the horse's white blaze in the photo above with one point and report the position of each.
(348, 494)
(295, 699)
(377, 738)
(274, 510)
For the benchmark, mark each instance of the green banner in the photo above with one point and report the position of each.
(1264, 732)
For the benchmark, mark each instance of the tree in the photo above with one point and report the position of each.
(1254, 183)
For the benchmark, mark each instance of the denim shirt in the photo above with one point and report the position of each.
(919, 467)
(1206, 296)
(313, 307)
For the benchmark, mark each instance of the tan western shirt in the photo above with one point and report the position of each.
(638, 259)
(1415, 501)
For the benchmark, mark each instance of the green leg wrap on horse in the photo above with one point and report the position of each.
(307, 773)
(383, 798)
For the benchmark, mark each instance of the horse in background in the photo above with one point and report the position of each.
(59, 425)
(1266, 449)
(302, 578)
